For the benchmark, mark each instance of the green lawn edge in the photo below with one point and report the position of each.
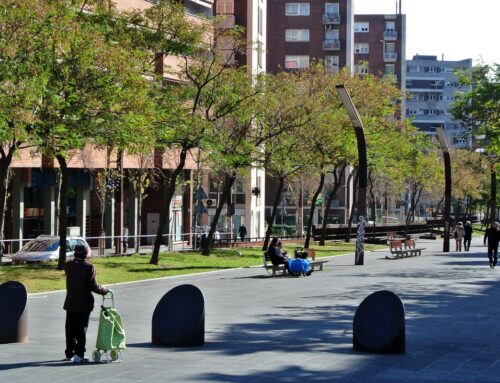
(44, 277)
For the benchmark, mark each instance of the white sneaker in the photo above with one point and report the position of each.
(79, 360)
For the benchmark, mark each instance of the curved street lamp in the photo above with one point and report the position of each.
(447, 187)
(362, 171)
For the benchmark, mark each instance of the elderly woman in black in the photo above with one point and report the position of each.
(276, 254)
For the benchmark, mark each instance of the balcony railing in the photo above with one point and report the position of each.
(331, 18)
(390, 56)
(390, 35)
(331, 45)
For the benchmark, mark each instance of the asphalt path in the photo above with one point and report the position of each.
(263, 329)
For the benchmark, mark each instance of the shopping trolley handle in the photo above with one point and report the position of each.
(108, 296)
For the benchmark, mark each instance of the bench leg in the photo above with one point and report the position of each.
(274, 272)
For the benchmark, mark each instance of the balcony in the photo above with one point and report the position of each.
(390, 35)
(331, 18)
(390, 57)
(331, 45)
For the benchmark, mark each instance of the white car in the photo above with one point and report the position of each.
(46, 248)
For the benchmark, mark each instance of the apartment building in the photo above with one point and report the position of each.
(432, 85)
(299, 32)
(380, 46)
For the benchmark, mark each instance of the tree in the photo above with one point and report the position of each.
(93, 82)
(479, 109)
(233, 145)
(188, 111)
(283, 111)
(22, 83)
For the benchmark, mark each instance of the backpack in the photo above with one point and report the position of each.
(298, 267)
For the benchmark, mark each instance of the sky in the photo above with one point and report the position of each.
(457, 29)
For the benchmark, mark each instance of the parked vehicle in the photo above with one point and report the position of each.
(46, 248)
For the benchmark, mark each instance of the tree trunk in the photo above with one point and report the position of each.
(351, 216)
(62, 211)
(139, 219)
(165, 212)
(331, 196)
(313, 206)
(119, 205)
(226, 193)
(4, 186)
(274, 211)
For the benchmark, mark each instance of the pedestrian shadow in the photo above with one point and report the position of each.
(46, 363)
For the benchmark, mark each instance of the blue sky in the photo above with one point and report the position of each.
(457, 29)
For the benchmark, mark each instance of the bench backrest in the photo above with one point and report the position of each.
(311, 253)
(410, 244)
(396, 245)
(266, 258)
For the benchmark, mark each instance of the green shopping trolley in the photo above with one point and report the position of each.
(111, 334)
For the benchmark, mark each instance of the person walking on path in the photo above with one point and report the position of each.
(459, 236)
(79, 302)
(492, 236)
(468, 235)
(242, 232)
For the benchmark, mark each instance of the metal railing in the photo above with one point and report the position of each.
(331, 18)
(331, 45)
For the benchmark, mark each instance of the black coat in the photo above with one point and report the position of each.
(276, 255)
(80, 283)
(493, 237)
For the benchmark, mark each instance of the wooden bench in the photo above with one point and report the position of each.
(273, 269)
(313, 263)
(400, 249)
(412, 248)
(270, 267)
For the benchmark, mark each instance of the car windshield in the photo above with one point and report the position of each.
(42, 244)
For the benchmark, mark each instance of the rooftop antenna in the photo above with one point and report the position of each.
(400, 3)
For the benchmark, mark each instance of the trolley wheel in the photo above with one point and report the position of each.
(96, 356)
(115, 354)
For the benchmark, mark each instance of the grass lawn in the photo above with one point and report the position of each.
(45, 277)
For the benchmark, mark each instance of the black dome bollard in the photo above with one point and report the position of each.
(179, 318)
(14, 312)
(379, 324)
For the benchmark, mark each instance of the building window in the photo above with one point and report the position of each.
(361, 48)
(293, 35)
(225, 7)
(297, 9)
(390, 69)
(296, 62)
(332, 64)
(332, 8)
(390, 47)
(390, 26)
(362, 27)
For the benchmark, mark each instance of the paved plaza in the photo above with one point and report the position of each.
(262, 329)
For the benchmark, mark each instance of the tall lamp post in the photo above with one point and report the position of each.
(362, 171)
(447, 187)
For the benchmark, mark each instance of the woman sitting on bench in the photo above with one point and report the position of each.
(276, 255)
